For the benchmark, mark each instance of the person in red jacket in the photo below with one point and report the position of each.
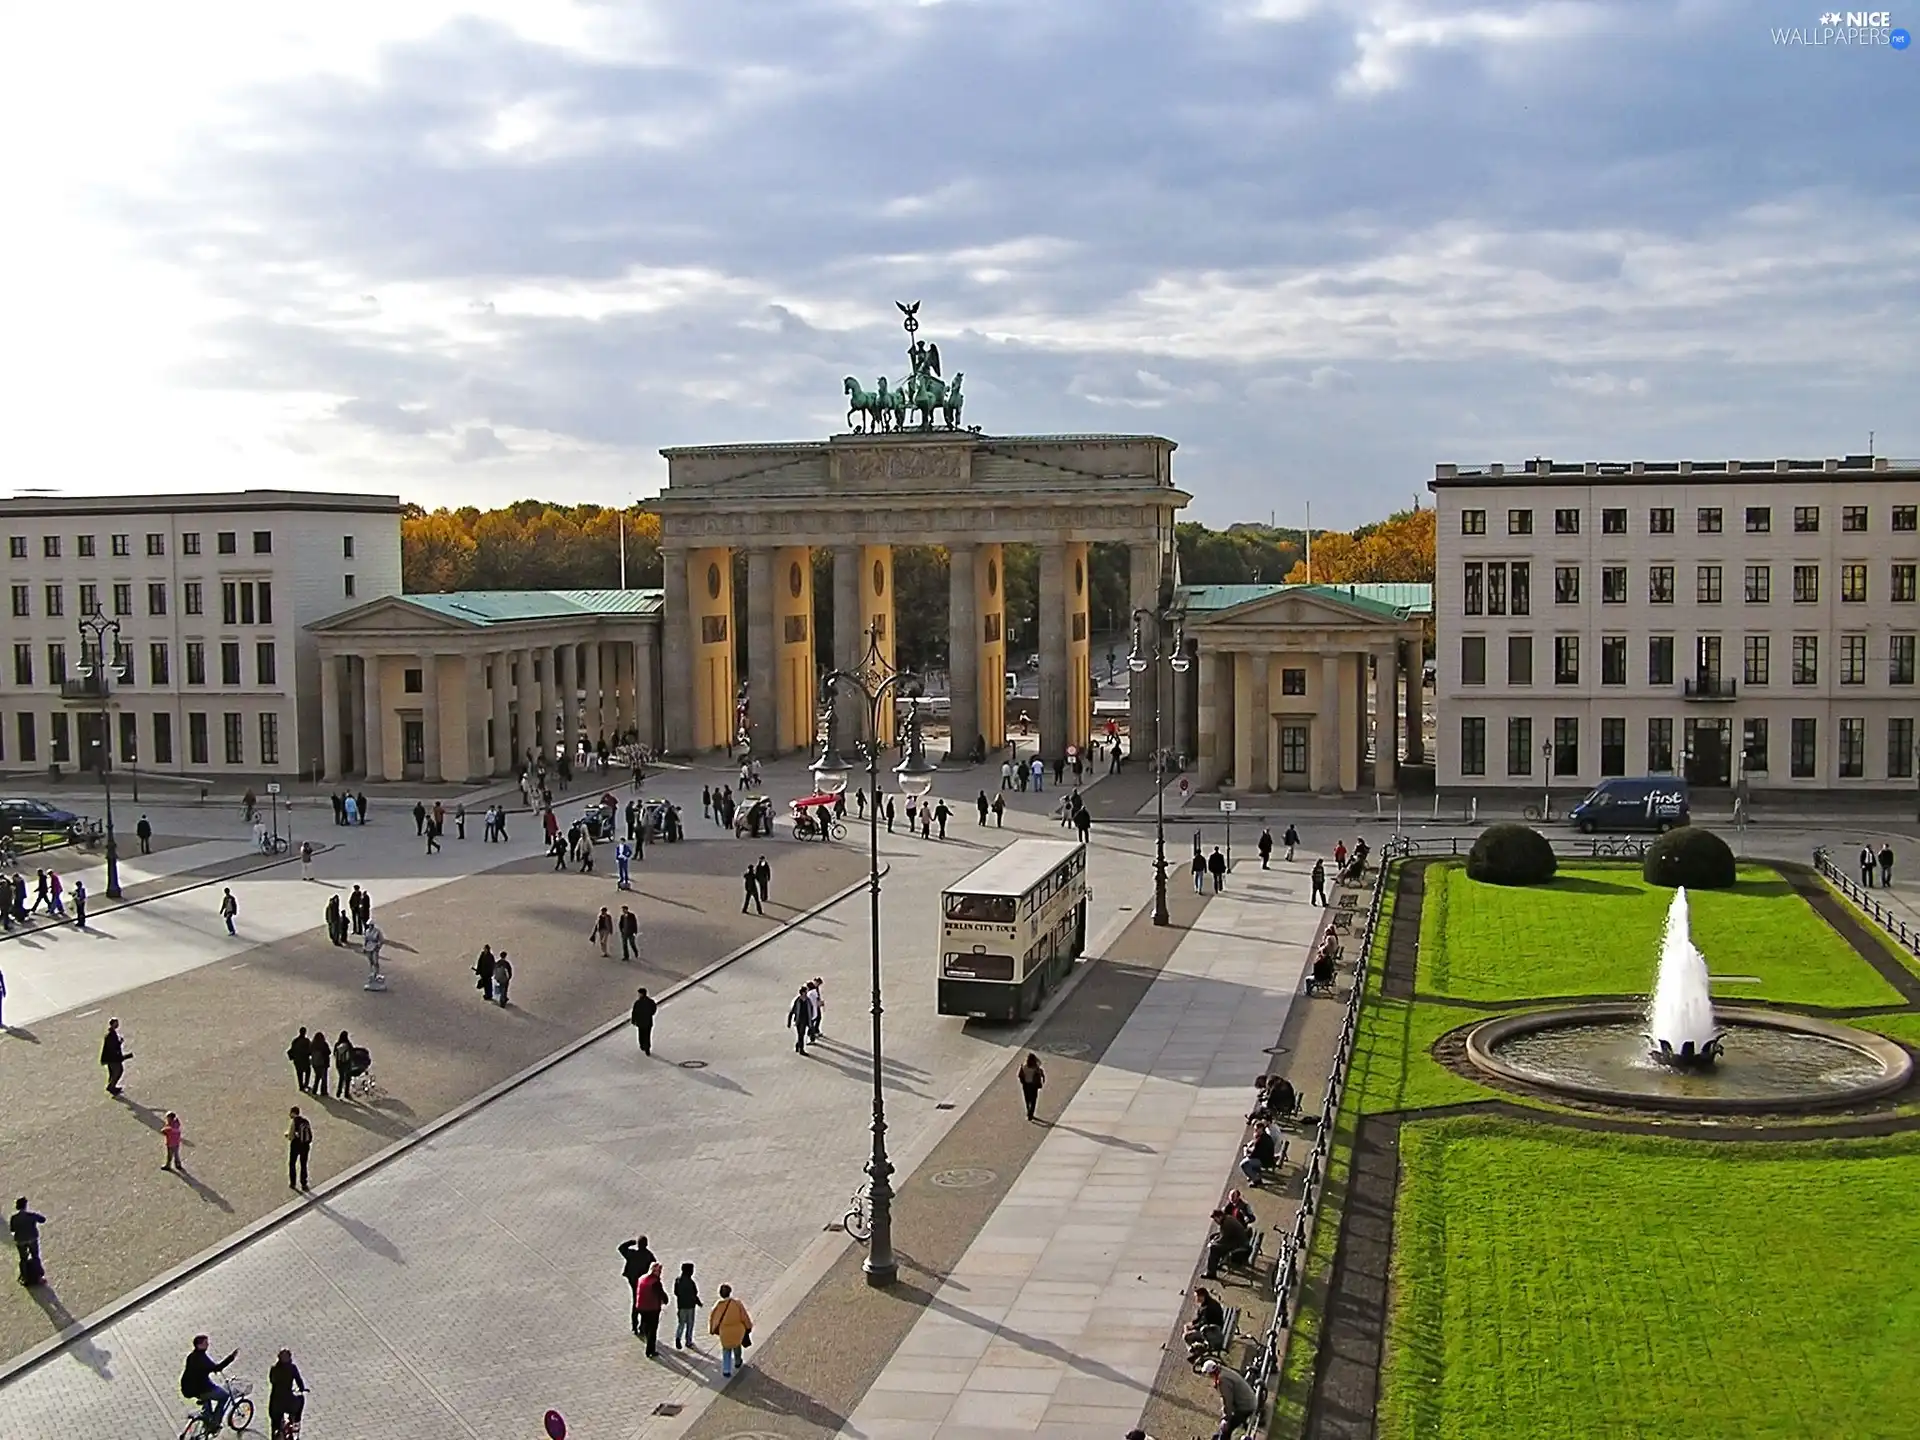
(649, 1299)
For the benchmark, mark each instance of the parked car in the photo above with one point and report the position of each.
(35, 817)
(1648, 802)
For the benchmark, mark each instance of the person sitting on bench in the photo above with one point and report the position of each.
(1258, 1156)
(1207, 1333)
(1277, 1099)
(1236, 1203)
(1323, 972)
(1237, 1400)
(1232, 1242)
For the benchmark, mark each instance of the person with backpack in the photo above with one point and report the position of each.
(229, 907)
(299, 1148)
(1032, 1076)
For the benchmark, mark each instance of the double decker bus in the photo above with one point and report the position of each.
(1012, 928)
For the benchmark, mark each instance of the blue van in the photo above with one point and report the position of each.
(1651, 802)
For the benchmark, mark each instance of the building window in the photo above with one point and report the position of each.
(1613, 659)
(1613, 745)
(1900, 659)
(1660, 746)
(346, 545)
(1472, 590)
(1522, 588)
(129, 737)
(1806, 659)
(50, 547)
(1853, 748)
(156, 597)
(1496, 588)
(1660, 584)
(1472, 522)
(1853, 517)
(1566, 584)
(17, 547)
(1806, 584)
(1566, 745)
(61, 738)
(1566, 522)
(1660, 521)
(1759, 519)
(1708, 519)
(56, 664)
(1519, 660)
(122, 598)
(1293, 749)
(269, 739)
(158, 672)
(1853, 659)
(1806, 521)
(229, 662)
(1759, 580)
(412, 682)
(1659, 660)
(28, 748)
(227, 543)
(1759, 658)
(190, 545)
(1566, 659)
(1519, 522)
(346, 589)
(197, 751)
(1901, 583)
(22, 663)
(190, 598)
(1473, 659)
(22, 602)
(1613, 522)
(233, 734)
(1519, 745)
(1292, 682)
(56, 602)
(196, 663)
(1753, 746)
(162, 738)
(1706, 585)
(229, 603)
(1904, 517)
(156, 543)
(263, 542)
(1900, 748)
(123, 545)
(89, 599)
(1613, 585)
(1473, 745)
(1853, 584)
(264, 669)
(83, 546)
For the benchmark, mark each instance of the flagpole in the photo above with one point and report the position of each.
(1309, 542)
(623, 549)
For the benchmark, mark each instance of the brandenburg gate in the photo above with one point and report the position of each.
(891, 482)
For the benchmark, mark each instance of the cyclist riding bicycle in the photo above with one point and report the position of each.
(197, 1383)
(286, 1395)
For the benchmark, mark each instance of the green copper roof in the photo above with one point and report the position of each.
(496, 607)
(1383, 599)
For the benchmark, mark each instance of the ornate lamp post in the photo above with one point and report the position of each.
(1546, 779)
(1137, 662)
(96, 683)
(874, 679)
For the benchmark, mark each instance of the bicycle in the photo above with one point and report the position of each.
(239, 1412)
(858, 1221)
(291, 1429)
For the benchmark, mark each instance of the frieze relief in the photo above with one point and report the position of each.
(905, 464)
(908, 524)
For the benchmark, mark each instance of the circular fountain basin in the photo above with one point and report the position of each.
(1770, 1060)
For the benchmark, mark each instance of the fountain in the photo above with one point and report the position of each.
(1680, 1021)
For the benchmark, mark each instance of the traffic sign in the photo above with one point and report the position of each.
(1227, 807)
(1183, 784)
(556, 1426)
(273, 787)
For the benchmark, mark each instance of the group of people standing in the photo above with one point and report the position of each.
(727, 1320)
(1881, 862)
(357, 916)
(312, 1057)
(349, 808)
(50, 897)
(493, 975)
(804, 1015)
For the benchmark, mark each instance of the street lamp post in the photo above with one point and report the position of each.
(874, 679)
(1546, 778)
(101, 627)
(1137, 662)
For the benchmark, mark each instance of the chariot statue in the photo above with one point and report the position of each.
(923, 401)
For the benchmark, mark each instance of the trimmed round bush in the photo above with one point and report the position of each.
(1511, 855)
(1697, 859)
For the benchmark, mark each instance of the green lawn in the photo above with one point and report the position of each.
(1901, 1027)
(1596, 931)
(1555, 1283)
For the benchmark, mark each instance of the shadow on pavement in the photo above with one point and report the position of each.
(99, 1361)
(364, 1234)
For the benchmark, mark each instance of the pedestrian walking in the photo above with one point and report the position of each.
(144, 830)
(460, 822)
(322, 1054)
(629, 927)
(686, 1300)
(1083, 822)
(1039, 771)
(926, 822)
(24, 1225)
(1006, 775)
(299, 1148)
(800, 1017)
(80, 904)
(419, 818)
(645, 1007)
(3, 1000)
(706, 802)
(306, 860)
(114, 1055)
(602, 931)
(336, 922)
(1866, 866)
(1032, 1076)
(889, 814)
(816, 1007)
(1199, 872)
(170, 1133)
(300, 1052)
(433, 837)
(1319, 882)
(1292, 841)
(649, 1299)
(1886, 866)
(941, 814)
(636, 1259)
(229, 907)
(502, 978)
(342, 1066)
(55, 888)
(1266, 846)
(730, 1321)
(763, 872)
(750, 882)
(999, 812)
(483, 966)
(623, 864)
(980, 804)
(1217, 868)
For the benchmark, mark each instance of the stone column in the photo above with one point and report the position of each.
(354, 681)
(502, 661)
(963, 654)
(594, 720)
(1215, 718)
(1326, 730)
(1053, 649)
(614, 679)
(1143, 696)
(330, 717)
(430, 715)
(649, 684)
(763, 669)
(849, 709)
(1386, 738)
(478, 709)
(566, 675)
(1186, 701)
(676, 666)
(1415, 705)
(540, 735)
(375, 722)
(1253, 722)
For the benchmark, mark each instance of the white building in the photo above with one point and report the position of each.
(217, 673)
(1723, 621)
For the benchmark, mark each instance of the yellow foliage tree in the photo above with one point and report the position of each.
(529, 545)
(1397, 548)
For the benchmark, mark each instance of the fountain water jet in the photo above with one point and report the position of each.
(1680, 1023)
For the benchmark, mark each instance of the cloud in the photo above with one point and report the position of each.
(1602, 385)
(480, 443)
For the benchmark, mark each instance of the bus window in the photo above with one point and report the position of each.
(975, 965)
(981, 909)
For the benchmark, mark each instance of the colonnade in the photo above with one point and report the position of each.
(1299, 720)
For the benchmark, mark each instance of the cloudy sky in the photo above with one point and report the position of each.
(472, 252)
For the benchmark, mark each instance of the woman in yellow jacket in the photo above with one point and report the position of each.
(730, 1321)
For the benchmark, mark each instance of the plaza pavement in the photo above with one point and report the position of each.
(470, 1282)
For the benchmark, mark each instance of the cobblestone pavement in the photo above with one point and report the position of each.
(471, 1282)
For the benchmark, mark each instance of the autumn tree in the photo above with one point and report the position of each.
(1399, 548)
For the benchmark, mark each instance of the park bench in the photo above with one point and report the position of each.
(1229, 1332)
